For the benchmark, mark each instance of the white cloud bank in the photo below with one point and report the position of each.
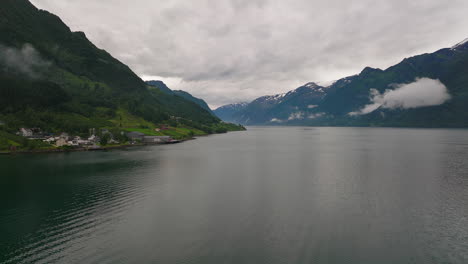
(26, 61)
(237, 50)
(420, 93)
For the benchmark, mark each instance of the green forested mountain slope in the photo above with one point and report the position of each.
(163, 87)
(58, 80)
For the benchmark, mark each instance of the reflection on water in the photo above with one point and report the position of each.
(268, 195)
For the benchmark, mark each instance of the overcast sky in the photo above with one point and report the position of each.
(228, 51)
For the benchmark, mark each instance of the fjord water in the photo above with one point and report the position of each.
(268, 195)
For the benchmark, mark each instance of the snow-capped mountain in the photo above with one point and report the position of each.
(360, 100)
(278, 108)
(226, 112)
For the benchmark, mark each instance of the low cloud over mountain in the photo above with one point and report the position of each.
(237, 50)
(25, 61)
(420, 93)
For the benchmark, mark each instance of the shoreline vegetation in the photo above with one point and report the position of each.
(54, 149)
(75, 96)
(16, 137)
(22, 136)
(84, 149)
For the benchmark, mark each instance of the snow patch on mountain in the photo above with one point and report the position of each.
(327, 84)
(311, 85)
(296, 115)
(316, 115)
(232, 106)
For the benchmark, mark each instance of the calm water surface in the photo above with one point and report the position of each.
(268, 195)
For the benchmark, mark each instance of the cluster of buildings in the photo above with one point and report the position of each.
(75, 141)
(140, 137)
(64, 139)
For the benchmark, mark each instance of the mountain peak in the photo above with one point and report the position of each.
(232, 106)
(308, 87)
(461, 45)
(311, 85)
(158, 82)
(368, 70)
(160, 85)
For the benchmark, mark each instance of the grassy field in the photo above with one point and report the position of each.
(131, 123)
(124, 119)
(174, 132)
(8, 140)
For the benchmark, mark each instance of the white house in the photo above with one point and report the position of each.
(156, 139)
(61, 142)
(50, 140)
(64, 136)
(25, 132)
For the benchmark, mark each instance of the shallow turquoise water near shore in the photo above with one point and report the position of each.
(268, 195)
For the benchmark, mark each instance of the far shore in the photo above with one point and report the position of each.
(102, 148)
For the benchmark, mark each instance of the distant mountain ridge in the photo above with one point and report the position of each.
(273, 109)
(227, 112)
(369, 98)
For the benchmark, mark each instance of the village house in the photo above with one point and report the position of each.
(93, 139)
(73, 143)
(64, 136)
(156, 139)
(61, 142)
(50, 140)
(37, 133)
(25, 132)
(64, 140)
(135, 136)
(78, 141)
(113, 141)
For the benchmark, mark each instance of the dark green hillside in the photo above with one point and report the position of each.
(58, 80)
(163, 87)
(189, 97)
(180, 107)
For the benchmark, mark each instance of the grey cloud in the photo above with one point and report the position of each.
(242, 49)
(420, 93)
(25, 61)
